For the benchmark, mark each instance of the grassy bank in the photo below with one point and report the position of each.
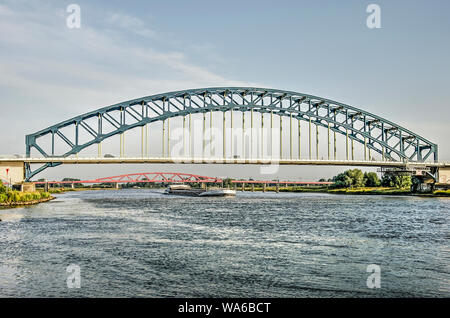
(442, 193)
(359, 190)
(353, 191)
(372, 190)
(13, 197)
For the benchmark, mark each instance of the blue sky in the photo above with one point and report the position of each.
(124, 50)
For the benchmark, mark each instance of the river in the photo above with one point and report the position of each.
(141, 243)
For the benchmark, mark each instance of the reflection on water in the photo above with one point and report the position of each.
(143, 243)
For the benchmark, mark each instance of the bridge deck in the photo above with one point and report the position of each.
(255, 161)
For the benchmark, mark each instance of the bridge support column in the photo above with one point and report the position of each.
(243, 186)
(235, 186)
(277, 188)
(264, 187)
(444, 176)
(27, 187)
(116, 185)
(12, 172)
(253, 187)
(46, 187)
(72, 185)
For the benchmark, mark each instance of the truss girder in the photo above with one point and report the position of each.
(379, 134)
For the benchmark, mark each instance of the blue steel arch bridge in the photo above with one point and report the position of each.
(393, 145)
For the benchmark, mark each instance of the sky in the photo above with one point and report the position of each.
(124, 50)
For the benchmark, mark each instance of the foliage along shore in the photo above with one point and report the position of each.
(369, 191)
(9, 197)
(355, 191)
(22, 203)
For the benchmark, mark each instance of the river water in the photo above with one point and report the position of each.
(141, 243)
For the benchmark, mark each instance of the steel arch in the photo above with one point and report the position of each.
(379, 134)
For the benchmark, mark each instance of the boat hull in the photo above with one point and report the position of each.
(219, 193)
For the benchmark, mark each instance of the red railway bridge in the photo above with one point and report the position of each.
(173, 177)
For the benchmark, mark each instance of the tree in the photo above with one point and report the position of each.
(227, 182)
(371, 179)
(357, 177)
(396, 181)
(349, 178)
(403, 182)
(342, 180)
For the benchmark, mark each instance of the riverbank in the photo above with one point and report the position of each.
(12, 198)
(342, 191)
(23, 203)
(353, 191)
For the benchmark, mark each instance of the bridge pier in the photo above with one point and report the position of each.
(443, 178)
(13, 171)
(264, 187)
(27, 187)
(243, 186)
(253, 187)
(277, 188)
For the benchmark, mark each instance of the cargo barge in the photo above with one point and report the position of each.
(186, 190)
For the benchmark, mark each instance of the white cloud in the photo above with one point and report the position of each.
(131, 24)
(54, 73)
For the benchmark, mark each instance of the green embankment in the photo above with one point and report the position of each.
(442, 192)
(359, 190)
(356, 190)
(13, 196)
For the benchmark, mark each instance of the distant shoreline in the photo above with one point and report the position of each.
(340, 191)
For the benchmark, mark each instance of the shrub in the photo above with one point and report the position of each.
(3, 197)
(13, 196)
(26, 197)
(45, 195)
(2, 188)
(36, 195)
